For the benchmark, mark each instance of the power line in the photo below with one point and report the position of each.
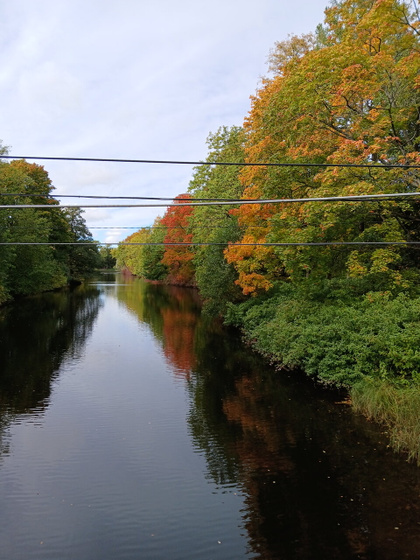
(226, 163)
(183, 228)
(175, 227)
(223, 202)
(55, 196)
(226, 244)
(120, 227)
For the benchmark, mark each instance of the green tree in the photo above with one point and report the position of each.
(32, 263)
(27, 268)
(215, 277)
(154, 269)
(83, 257)
(108, 261)
(131, 257)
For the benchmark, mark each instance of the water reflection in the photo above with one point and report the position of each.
(318, 480)
(313, 479)
(173, 315)
(32, 351)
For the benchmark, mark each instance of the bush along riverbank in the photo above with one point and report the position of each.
(370, 346)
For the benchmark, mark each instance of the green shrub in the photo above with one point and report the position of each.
(374, 336)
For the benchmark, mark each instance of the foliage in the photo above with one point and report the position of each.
(375, 336)
(26, 268)
(349, 93)
(216, 224)
(154, 269)
(358, 102)
(158, 257)
(131, 257)
(348, 316)
(177, 258)
(84, 257)
(395, 406)
(145, 259)
(107, 260)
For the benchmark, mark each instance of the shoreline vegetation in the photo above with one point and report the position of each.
(347, 95)
(371, 348)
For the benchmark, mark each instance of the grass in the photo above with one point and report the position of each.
(397, 407)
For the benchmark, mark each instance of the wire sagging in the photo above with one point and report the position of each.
(225, 163)
(224, 202)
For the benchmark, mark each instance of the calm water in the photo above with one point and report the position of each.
(132, 428)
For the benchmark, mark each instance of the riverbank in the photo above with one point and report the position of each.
(67, 284)
(398, 408)
(369, 346)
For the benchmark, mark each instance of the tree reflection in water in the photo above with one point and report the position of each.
(64, 321)
(318, 481)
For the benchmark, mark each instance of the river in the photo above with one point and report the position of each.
(133, 428)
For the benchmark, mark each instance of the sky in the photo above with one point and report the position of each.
(132, 79)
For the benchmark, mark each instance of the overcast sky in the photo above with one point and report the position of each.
(133, 79)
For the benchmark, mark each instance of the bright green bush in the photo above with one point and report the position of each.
(338, 343)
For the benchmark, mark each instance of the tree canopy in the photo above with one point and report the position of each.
(347, 94)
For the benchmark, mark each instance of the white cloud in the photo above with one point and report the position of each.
(133, 79)
(115, 235)
(50, 91)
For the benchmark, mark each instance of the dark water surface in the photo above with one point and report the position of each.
(132, 428)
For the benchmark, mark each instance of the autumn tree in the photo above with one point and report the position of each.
(347, 95)
(178, 258)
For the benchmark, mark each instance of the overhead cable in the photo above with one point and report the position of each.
(56, 196)
(224, 202)
(226, 163)
(120, 227)
(172, 227)
(184, 228)
(226, 244)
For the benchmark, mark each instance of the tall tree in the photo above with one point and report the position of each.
(25, 266)
(28, 268)
(83, 257)
(348, 95)
(217, 224)
(131, 257)
(154, 269)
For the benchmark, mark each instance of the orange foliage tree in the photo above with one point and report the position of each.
(349, 94)
(178, 258)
